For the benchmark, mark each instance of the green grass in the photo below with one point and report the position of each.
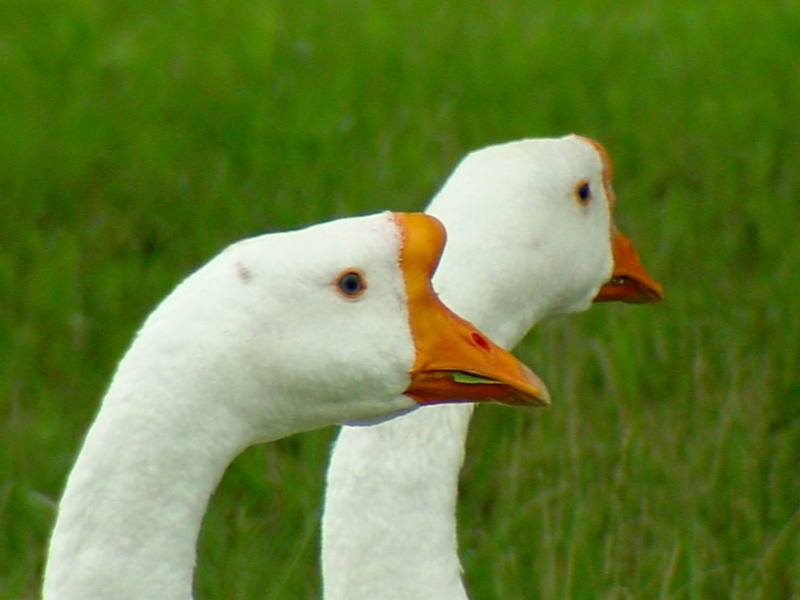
(137, 139)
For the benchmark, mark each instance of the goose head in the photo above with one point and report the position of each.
(552, 246)
(334, 322)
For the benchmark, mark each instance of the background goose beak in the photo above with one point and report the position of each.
(454, 361)
(629, 282)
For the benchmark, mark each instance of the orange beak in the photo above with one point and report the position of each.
(454, 361)
(629, 281)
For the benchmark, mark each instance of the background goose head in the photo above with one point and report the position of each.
(553, 236)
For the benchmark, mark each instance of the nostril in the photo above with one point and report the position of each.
(480, 340)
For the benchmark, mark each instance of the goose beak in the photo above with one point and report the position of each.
(454, 361)
(629, 282)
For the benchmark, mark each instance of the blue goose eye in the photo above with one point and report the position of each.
(351, 284)
(583, 192)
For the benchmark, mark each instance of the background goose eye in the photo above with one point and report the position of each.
(583, 192)
(351, 284)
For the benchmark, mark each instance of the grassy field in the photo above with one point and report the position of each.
(137, 139)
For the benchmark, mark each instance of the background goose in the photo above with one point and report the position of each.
(531, 235)
(242, 352)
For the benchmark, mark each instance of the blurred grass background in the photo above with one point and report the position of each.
(138, 139)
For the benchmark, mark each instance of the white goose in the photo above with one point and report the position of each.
(530, 235)
(278, 334)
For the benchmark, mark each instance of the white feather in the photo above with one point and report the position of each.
(254, 346)
(519, 248)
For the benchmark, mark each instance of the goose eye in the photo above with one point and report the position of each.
(583, 192)
(351, 284)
